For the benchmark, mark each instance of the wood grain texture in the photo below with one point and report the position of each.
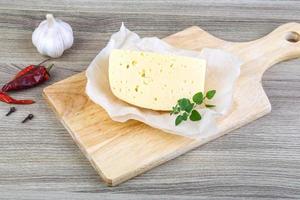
(259, 161)
(120, 151)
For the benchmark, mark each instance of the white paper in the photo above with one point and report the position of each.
(222, 71)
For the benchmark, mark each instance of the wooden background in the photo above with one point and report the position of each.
(39, 160)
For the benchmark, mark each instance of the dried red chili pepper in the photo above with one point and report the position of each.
(31, 78)
(24, 71)
(7, 99)
(28, 68)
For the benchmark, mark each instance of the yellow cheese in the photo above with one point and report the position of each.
(154, 81)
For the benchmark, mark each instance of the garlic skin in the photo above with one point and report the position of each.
(52, 37)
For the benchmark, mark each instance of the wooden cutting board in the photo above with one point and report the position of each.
(120, 151)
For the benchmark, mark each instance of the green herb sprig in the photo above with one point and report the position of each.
(185, 108)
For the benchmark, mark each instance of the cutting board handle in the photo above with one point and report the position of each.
(281, 44)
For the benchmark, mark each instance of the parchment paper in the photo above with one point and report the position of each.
(222, 71)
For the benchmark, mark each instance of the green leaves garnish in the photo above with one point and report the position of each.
(185, 104)
(178, 119)
(185, 116)
(175, 109)
(185, 109)
(210, 94)
(195, 116)
(198, 98)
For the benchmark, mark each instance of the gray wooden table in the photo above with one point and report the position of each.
(39, 160)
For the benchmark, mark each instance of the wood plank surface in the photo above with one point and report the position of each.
(40, 161)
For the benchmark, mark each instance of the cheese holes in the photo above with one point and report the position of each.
(143, 73)
(134, 62)
(136, 88)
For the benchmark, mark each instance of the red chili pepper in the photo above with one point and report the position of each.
(7, 99)
(33, 77)
(28, 68)
(24, 71)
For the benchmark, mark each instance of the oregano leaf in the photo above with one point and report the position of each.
(198, 98)
(210, 94)
(189, 108)
(178, 120)
(184, 103)
(175, 110)
(195, 116)
(185, 116)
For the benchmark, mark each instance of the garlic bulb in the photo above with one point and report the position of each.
(52, 37)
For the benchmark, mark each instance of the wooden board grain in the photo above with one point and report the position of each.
(120, 151)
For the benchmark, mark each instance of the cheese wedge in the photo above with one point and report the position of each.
(152, 80)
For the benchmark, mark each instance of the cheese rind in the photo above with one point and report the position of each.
(152, 80)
